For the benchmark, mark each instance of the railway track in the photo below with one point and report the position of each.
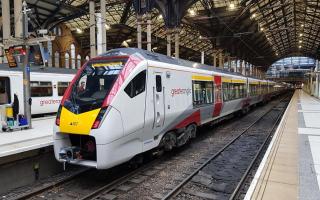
(224, 175)
(116, 187)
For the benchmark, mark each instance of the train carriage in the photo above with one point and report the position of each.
(129, 101)
(47, 87)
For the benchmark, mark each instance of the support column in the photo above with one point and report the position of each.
(99, 33)
(103, 25)
(215, 52)
(221, 59)
(149, 32)
(317, 86)
(5, 5)
(176, 44)
(1, 55)
(92, 29)
(139, 31)
(202, 57)
(244, 72)
(17, 18)
(241, 67)
(168, 43)
(229, 63)
(49, 47)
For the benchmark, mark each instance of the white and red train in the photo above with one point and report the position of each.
(129, 101)
(47, 87)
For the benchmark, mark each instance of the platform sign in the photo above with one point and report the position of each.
(17, 51)
(11, 60)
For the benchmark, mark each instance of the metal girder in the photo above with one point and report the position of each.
(173, 10)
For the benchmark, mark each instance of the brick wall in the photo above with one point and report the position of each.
(62, 45)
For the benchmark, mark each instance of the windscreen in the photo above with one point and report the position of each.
(93, 85)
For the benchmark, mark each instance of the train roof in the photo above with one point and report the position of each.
(148, 55)
(37, 68)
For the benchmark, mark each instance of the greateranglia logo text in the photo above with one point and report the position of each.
(180, 91)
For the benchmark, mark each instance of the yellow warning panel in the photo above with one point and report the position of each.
(77, 123)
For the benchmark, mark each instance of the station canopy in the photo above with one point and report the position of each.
(260, 32)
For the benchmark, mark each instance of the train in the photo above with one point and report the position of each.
(47, 86)
(129, 101)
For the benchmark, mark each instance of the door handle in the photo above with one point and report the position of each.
(158, 119)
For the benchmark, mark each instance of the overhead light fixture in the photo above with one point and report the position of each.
(125, 44)
(79, 30)
(129, 40)
(302, 25)
(160, 17)
(300, 34)
(277, 54)
(300, 46)
(200, 37)
(300, 41)
(232, 6)
(108, 27)
(261, 29)
(253, 15)
(192, 12)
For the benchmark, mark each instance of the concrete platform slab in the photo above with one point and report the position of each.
(25, 140)
(291, 166)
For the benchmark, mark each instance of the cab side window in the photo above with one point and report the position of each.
(4, 90)
(137, 85)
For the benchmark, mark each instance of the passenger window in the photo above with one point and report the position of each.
(41, 89)
(137, 85)
(158, 83)
(62, 87)
(202, 93)
(5, 96)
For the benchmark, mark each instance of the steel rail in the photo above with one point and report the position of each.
(50, 186)
(245, 175)
(187, 179)
(111, 186)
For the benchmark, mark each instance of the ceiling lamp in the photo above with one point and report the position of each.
(253, 15)
(300, 34)
(160, 17)
(300, 41)
(232, 6)
(300, 46)
(302, 25)
(79, 30)
(192, 12)
(125, 44)
(277, 54)
(108, 27)
(129, 40)
(261, 29)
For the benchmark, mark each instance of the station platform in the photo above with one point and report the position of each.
(290, 168)
(25, 140)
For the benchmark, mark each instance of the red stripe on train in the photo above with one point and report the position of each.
(193, 118)
(218, 98)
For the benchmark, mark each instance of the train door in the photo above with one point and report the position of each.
(158, 100)
(218, 96)
(5, 96)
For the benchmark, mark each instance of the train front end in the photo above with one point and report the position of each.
(86, 123)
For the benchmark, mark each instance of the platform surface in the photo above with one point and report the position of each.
(24, 140)
(290, 168)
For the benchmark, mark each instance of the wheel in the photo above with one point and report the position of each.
(192, 130)
(168, 141)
